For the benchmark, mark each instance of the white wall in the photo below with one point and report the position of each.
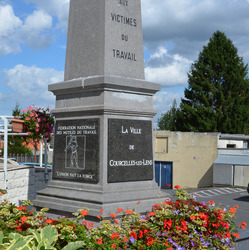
(222, 174)
(223, 143)
(23, 183)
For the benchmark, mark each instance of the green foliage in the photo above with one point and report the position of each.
(46, 239)
(217, 96)
(168, 120)
(16, 146)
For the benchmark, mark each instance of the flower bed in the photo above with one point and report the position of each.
(184, 224)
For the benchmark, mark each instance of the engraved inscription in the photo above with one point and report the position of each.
(128, 157)
(124, 55)
(123, 2)
(124, 20)
(129, 21)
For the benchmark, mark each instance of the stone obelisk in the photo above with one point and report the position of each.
(103, 147)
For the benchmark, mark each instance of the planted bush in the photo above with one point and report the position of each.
(184, 224)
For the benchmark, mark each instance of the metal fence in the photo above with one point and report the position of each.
(24, 158)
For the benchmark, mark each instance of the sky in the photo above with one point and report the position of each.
(33, 36)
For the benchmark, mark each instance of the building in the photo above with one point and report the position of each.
(232, 164)
(201, 159)
(189, 156)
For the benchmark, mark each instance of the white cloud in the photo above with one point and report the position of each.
(168, 70)
(58, 8)
(30, 84)
(8, 29)
(160, 53)
(34, 29)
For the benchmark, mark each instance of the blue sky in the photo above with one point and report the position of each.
(33, 45)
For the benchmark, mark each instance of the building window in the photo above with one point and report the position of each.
(231, 145)
(161, 145)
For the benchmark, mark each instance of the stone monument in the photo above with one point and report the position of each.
(103, 146)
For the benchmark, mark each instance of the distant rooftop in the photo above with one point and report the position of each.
(241, 160)
(234, 137)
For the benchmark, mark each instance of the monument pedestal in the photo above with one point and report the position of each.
(103, 150)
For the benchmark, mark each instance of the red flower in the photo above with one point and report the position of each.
(24, 219)
(236, 206)
(84, 212)
(113, 215)
(99, 217)
(18, 228)
(100, 241)
(228, 235)
(192, 217)
(90, 224)
(177, 187)
(119, 210)
(133, 234)
(243, 223)
(236, 235)
(114, 236)
(113, 246)
(49, 221)
(140, 234)
(150, 241)
(152, 213)
(129, 211)
(232, 210)
(21, 208)
(101, 211)
(167, 224)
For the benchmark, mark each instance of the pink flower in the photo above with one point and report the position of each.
(27, 118)
(32, 114)
(37, 125)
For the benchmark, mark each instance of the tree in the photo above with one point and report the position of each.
(217, 96)
(16, 112)
(167, 121)
(16, 143)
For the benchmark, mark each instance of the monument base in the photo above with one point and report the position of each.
(69, 197)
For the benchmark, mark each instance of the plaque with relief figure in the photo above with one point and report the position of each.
(76, 150)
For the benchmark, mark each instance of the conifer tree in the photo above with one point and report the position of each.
(167, 121)
(217, 96)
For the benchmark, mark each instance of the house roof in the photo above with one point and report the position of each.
(234, 137)
(242, 160)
